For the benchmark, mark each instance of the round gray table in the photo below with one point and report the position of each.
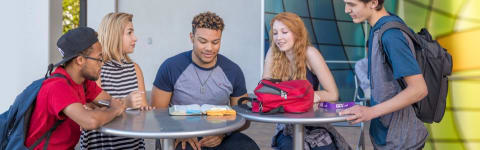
(298, 119)
(159, 124)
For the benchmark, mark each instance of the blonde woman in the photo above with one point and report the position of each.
(119, 77)
(292, 57)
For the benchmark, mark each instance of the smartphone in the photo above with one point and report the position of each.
(104, 103)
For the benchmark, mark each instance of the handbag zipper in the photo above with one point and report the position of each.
(283, 94)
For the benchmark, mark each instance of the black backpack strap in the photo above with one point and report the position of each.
(404, 28)
(46, 135)
(396, 25)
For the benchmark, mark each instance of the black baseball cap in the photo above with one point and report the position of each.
(74, 42)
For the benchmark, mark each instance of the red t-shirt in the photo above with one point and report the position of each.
(56, 94)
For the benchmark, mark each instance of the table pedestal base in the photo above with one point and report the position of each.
(167, 144)
(298, 137)
(158, 144)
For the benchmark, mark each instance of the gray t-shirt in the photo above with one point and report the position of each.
(192, 84)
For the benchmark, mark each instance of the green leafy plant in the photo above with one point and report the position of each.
(70, 14)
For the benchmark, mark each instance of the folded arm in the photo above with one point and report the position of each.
(94, 118)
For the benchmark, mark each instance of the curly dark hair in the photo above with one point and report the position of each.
(207, 20)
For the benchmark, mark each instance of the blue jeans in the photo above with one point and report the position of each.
(285, 142)
(235, 141)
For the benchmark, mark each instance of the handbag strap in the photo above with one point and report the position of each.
(279, 109)
(245, 106)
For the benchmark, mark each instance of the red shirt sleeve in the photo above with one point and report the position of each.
(93, 90)
(61, 94)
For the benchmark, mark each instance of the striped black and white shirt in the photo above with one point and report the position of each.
(118, 80)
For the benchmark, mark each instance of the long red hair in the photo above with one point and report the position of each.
(281, 65)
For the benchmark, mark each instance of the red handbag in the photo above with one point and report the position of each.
(294, 96)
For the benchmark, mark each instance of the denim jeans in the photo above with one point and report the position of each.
(285, 142)
(235, 141)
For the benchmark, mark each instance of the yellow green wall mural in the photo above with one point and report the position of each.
(456, 25)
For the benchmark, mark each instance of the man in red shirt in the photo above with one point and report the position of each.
(67, 98)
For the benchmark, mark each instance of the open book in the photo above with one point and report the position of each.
(196, 109)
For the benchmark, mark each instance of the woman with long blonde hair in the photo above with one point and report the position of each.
(292, 57)
(119, 77)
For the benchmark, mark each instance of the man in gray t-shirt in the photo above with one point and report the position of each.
(202, 76)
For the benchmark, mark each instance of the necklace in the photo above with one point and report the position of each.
(202, 84)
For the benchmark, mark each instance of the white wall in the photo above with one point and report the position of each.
(56, 28)
(96, 9)
(163, 27)
(26, 40)
(31, 29)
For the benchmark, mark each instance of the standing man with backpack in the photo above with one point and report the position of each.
(66, 94)
(394, 124)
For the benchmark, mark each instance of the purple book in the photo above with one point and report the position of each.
(336, 105)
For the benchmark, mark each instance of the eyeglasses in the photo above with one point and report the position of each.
(97, 59)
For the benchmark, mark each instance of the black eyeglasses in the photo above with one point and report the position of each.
(97, 59)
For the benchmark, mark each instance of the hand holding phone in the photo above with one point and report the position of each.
(104, 103)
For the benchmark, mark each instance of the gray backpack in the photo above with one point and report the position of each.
(436, 65)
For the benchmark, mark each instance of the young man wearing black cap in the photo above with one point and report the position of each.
(65, 98)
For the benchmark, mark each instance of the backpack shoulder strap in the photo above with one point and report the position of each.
(63, 76)
(57, 123)
(402, 27)
(396, 25)
(57, 75)
(46, 135)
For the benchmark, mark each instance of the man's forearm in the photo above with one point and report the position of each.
(100, 118)
(399, 101)
(102, 96)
